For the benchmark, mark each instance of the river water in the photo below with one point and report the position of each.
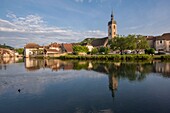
(55, 86)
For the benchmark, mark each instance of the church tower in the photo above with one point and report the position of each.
(112, 27)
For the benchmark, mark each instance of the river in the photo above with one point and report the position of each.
(55, 86)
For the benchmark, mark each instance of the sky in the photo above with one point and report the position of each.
(67, 21)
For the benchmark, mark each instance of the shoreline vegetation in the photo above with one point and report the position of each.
(115, 57)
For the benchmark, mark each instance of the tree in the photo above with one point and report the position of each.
(79, 48)
(104, 50)
(131, 41)
(150, 51)
(20, 50)
(94, 51)
(141, 43)
(119, 43)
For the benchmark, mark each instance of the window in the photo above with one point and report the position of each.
(114, 27)
(160, 41)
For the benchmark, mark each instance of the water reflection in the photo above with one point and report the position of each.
(130, 70)
(74, 85)
(9, 60)
(115, 70)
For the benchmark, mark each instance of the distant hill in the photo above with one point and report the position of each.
(87, 41)
(6, 46)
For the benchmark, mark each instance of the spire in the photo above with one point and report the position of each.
(112, 17)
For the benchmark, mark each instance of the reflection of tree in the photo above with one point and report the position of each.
(129, 70)
(9, 60)
(133, 71)
(80, 65)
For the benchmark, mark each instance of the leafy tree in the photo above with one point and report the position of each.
(141, 43)
(20, 50)
(119, 43)
(131, 41)
(79, 48)
(104, 50)
(150, 51)
(94, 51)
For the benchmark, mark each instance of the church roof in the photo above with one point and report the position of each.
(112, 22)
(99, 42)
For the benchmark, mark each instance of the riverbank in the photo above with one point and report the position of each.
(110, 57)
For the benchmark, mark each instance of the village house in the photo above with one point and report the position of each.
(31, 49)
(90, 47)
(67, 48)
(53, 48)
(160, 43)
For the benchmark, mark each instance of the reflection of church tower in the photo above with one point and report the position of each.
(113, 84)
(112, 27)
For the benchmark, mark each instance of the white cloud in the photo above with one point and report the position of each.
(32, 28)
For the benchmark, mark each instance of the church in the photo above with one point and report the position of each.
(112, 32)
(112, 27)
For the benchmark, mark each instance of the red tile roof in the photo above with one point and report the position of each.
(32, 45)
(55, 45)
(68, 48)
(166, 36)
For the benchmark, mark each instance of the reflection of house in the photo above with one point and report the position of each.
(160, 43)
(68, 66)
(32, 64)
(163, 68)
(31, 49)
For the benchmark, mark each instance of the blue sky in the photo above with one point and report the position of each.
(43, 22)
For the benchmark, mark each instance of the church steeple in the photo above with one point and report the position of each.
(112, 27)
(112, 17)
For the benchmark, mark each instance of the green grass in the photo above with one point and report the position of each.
(115, 57)
(109, 57)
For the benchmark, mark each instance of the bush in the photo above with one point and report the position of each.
(150, 51)
(104, 50)
(94, 51)
(79, 48)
